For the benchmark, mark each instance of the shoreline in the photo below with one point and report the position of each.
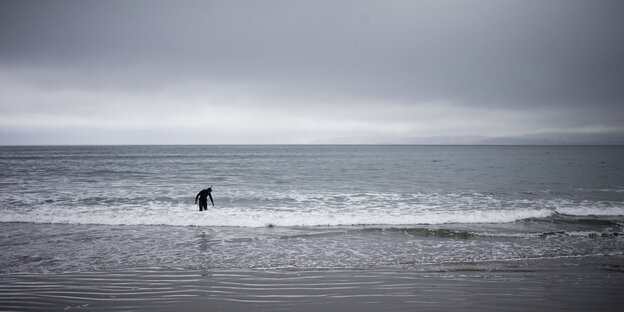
(550, 285)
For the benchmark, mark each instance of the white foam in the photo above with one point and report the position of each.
(241, 217)
(309, 209)
(586, 208)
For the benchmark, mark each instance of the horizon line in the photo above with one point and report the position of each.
(306, 144)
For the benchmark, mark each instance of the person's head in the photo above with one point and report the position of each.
(209, 189)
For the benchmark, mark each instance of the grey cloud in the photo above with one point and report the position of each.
(512, 55)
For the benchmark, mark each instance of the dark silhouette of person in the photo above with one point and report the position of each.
(203, 198)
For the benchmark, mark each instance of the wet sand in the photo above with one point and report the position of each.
(540, 285)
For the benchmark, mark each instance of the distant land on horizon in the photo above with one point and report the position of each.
(531, 139)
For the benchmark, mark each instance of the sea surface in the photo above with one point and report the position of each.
(306, 207)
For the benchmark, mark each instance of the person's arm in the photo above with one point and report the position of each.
(196, 197)
(212, 201)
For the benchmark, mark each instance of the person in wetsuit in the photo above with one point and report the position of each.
(203, 198)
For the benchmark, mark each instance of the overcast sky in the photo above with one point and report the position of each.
(230, 72)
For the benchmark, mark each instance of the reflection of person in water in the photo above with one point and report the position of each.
(203, 198)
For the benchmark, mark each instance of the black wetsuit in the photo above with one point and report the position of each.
(203, 199)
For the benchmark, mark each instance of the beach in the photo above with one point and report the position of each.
(357, 155)
(568, 284)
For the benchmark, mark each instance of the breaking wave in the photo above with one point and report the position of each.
(167, 213)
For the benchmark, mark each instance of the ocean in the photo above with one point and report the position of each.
(70, 209)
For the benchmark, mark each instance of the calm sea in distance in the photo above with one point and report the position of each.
(306, 207)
